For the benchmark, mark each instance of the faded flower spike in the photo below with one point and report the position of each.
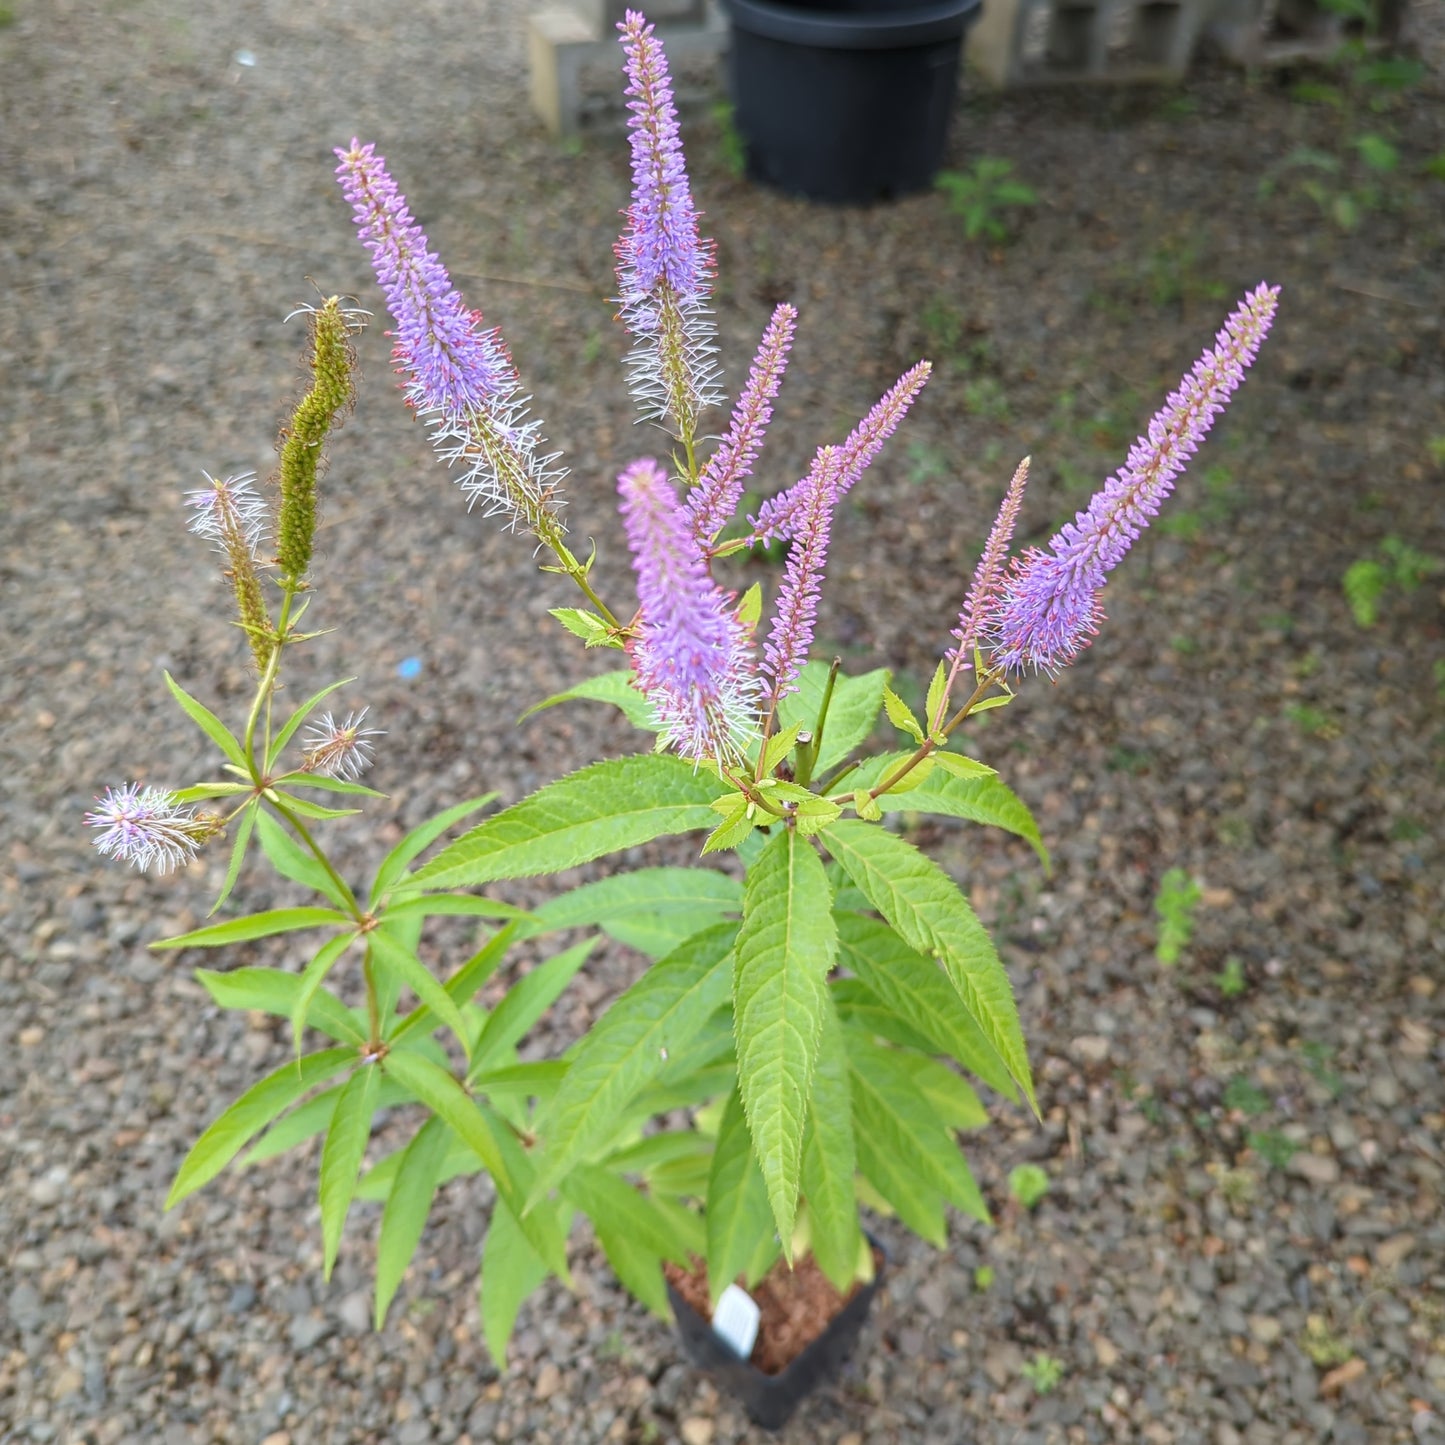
(145, 826)
(692, 656)
(720, 488)
(230, 514)
(664, 269)
(1049, 607)
(460, 378)
(797, 605)
(332, 364)
(779, 516)
(339, 750)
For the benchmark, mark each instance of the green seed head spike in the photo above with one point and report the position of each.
(332, 363)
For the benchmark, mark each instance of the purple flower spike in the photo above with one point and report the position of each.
(797, 606)
(459, 376)
(988, 579)
(146, 827)
(779, 516)
(692, 656)
(664, 268)
(454, 363)
(661, 243)
(1049, 607)
(720, 489)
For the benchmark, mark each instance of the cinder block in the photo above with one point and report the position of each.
(1042, 42)
(564, 41)
(1282, 32)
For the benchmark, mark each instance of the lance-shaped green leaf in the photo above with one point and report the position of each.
(341, 1156)
(245, 824)
(325, 783)
(738, 1212)
(255, 925)
(830, 1159)
(451, 905)
(511, 1270)
(862, 1009)
(785, 948)
(274, 991)
(209, 724)
(610, 687)
(490, 1138)
(419, 840)
(313, 1117)
(407, 1206)
(852, 713)
(312, 979)
(261, 1103)
(601, 809)
(292, 861)
(924, 906)
(633, 1233)
(981, 798)
(651, 910)
(629, 1047)
(525, 1002)
(464, 984)
(403, 964)
(950, 1098)
(305, 806)
(891, 1110)
(913, 988)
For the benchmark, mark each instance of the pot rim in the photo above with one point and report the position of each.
(885, 30)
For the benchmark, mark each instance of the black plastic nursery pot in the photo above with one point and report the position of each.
(845, 100)
(771, 1399)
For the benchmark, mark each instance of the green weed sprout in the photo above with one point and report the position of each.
(1174, 905)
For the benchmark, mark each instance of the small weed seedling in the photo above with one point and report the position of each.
(1396, 567)
(1274, 1148)
(1174, 905)
(983, 1278)
(1317, 1057)
(1312, 721)
(1243, 1094)
(1043, 1372)
(976, 197)
(1325, 1346)
(1027, 1183)
(1230, 980)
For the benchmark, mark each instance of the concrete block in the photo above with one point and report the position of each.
(565, 41)
(1042, 42)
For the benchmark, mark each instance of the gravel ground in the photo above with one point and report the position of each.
(1243, 1238)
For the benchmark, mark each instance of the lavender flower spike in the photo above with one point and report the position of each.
(720, 488)
(797, 606)
(989, 578)
(1049, 607)
(692, 655)
(146, 827)
(779, 516)
(454, 364)
(459, 376)
(664, 268)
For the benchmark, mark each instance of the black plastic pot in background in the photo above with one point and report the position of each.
(771, 1399)
(845, 100)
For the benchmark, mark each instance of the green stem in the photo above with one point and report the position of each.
(753, 794)
(319, 853)
(808, 756)
(373, 1011)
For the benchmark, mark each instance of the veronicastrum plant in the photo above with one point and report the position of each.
(814, 979)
